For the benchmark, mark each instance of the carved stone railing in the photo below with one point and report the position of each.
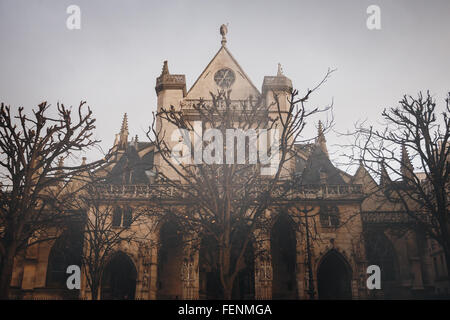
(161, 191)
(332, 189)
(144, 191)
(388, 217)
(171, 79)
(187, 105)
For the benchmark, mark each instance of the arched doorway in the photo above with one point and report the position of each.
(283, 245)
(244, 283)
(381, 252)
(119, 278)
(210, 286)
(66, 251)
(170, 259)
(334, 277)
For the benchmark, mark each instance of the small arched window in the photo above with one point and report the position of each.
(117, 217)
(127, 217)
(329, 216)
(122, 217)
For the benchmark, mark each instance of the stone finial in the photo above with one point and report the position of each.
(60, 165)
(165, 69)
(61, 162)
(223, 32)
(280, 71)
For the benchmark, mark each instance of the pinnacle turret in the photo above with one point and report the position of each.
(123, 135)
(406, 167)
(384, 176)
(320, 140)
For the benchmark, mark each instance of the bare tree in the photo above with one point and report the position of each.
(35, 182)
(410, 155)
(227, 198)
(107, 224)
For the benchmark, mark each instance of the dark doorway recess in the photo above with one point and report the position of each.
(170, 259)
(283, 248)
(334, 277)
(119, 278)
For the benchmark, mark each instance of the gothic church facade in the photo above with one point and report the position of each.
(335, 266)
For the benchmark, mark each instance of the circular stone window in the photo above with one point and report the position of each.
(224, 78)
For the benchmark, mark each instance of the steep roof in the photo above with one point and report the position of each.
(317, 163)
(132, 166)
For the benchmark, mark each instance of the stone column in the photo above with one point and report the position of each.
(29, 271)
(302, 268)
(144, 283)
(190, 269)
(263, 266)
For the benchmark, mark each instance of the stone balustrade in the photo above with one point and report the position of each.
(162, 191)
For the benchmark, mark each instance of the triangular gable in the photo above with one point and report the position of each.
(241, 89)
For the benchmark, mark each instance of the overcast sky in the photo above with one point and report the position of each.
(114, 59)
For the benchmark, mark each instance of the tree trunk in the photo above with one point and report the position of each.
(6, 271)
(226, 279)
(446, 248)
(94, 292)
(227, 292)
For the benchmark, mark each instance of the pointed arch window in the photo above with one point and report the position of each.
(122, 217)
(66, 251)
(329, 216)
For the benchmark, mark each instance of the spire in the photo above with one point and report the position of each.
(124, 128)
(223, 32)
(406, 165)
(320, 140)
(384, 176)
(320, 134)
(123, 135)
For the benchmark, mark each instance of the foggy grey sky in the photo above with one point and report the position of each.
(113, 61)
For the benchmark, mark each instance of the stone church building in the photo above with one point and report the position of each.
(333, 265)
